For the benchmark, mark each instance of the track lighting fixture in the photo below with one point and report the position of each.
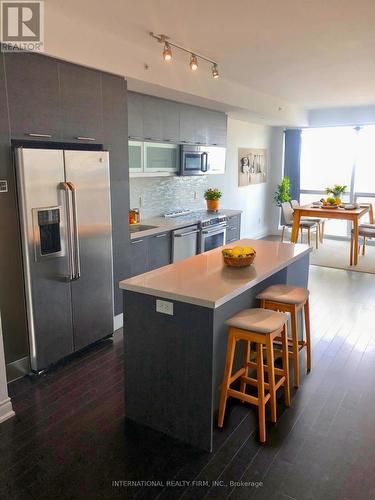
(193, 62)
(215, 71)
(167, 54)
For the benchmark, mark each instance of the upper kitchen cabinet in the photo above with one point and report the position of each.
(81, 104)
(202, 126)
(216, 128)
(161, 120)
(155, 119)
(193, 125)
(135, 115)
(33, 96)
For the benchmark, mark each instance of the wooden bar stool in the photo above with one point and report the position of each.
(260, 327)
(291, 299)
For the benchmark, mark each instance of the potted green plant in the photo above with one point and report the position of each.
(336, 191)
(212, 197)
(282, 192)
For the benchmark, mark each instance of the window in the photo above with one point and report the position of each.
(338, 155)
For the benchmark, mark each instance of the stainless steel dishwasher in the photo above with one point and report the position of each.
(185, 242)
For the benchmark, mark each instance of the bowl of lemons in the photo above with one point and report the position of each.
(239, 256)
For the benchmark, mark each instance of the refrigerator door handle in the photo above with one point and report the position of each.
(67, 190)
(77, 257)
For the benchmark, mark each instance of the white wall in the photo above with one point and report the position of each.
(276, 173)
(255, 201)
(6, 410)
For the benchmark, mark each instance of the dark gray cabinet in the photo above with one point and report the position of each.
(115, 133)
(152, 113)
(33, 96)
(233, 228)
(161, 120)
(216, 128)
(193, 125)
(150, 253)
(12, 302)
(170, 120)
(159, 250)
(81, 103)
(138, 256)
(155, 119)
(135, 115)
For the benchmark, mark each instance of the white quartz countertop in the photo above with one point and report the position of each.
(171, 223)
(205, 280)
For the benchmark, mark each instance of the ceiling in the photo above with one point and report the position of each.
(310, 53)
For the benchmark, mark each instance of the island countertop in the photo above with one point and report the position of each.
(206, 281)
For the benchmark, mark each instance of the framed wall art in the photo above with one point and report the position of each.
(252, 166)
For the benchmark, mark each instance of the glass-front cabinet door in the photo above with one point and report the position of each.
(159, 157)
(135, 156)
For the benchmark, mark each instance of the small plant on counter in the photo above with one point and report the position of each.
(213, 194)
(212, 197)
(282, 192)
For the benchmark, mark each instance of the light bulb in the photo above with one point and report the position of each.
(215, 71)
(167, 52)
(193, 62)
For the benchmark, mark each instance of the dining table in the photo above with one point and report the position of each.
(322, 212)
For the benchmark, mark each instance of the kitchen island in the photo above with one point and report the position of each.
(175, 333)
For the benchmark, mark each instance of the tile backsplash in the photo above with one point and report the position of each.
(162, 194)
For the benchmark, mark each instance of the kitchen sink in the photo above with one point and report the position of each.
(140, 227)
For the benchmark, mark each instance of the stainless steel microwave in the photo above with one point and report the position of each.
(202, 160)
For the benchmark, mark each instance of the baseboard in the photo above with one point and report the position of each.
(6, 410)
(118, 322)
(260, 235)
(18, 369)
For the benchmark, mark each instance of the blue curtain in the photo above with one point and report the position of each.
(292, 160)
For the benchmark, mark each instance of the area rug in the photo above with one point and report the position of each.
(335, 253)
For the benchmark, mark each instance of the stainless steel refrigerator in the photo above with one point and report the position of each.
(65, 215)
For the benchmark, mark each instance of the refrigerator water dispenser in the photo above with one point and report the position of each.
(47, 232)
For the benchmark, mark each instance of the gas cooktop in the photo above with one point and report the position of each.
(201, 216)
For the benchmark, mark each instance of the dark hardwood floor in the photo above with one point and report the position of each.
(68, 439)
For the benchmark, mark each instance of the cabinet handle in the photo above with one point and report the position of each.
(161, 235)
(34, 134)
(81, 138)
(136, 241)
(182, 235)
(148, 138)
(167, 140)
(232, 228)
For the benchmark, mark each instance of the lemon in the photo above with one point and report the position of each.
(238, 252)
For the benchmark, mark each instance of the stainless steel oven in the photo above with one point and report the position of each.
(194, 160)
(213, 233)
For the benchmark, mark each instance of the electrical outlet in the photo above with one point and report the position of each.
(195, 195)
(164, 307)
(3, 186)
(259, 220)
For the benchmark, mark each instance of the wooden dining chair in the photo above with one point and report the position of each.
(366, 231)
(320, 222)
(308, 225)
